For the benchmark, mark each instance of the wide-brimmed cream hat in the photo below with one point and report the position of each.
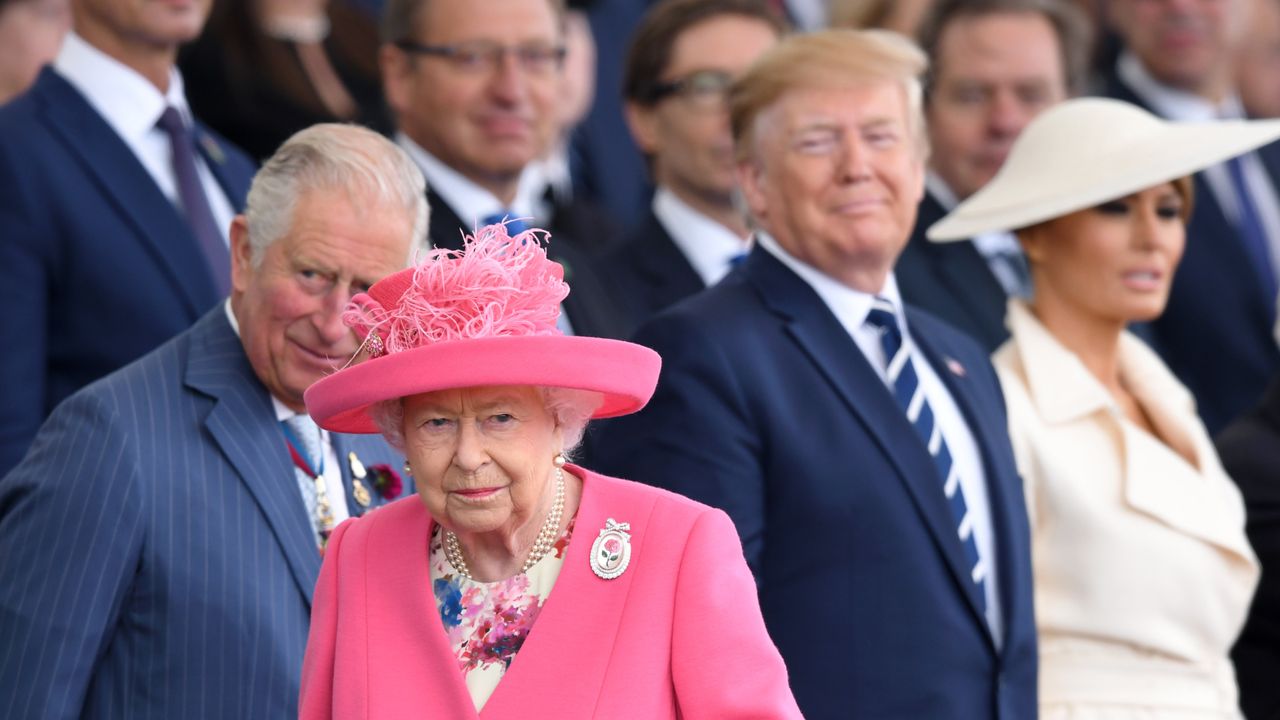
(1086, 151)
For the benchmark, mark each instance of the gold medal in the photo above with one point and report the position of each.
(360, 492)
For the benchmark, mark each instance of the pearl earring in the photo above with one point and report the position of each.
(408, 469)
(559, 460)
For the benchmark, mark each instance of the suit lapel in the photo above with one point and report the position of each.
(1004, 502)
(581, 605)
(123, 179)
(214, 153)
(836, 356)
(243, 426)
(666, 270)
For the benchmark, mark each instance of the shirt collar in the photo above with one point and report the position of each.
(940, 190)
(850, 306)
(708, 245)
(129, 103)
(1171, 102)
(468, 200)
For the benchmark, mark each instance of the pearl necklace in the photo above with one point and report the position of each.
(542, 545)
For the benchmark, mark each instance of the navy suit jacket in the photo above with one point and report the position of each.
(1216, 332)
(649, 273)
(1250, 450)
(767, 408)
(589, 305)
(952, 280)
(97, 266)
(156, 558)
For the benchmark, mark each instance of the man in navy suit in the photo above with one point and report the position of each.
(115, 205)
(1215, 334)
(858, 444)
(683, 58)
(993, 66)
(473, 89)
(162, 538)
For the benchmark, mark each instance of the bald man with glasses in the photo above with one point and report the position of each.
(473, 87)
(684, 56)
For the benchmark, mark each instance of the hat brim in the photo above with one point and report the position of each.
(1029, 191)
(625, 374)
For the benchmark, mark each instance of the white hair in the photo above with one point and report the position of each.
(333, 156)
(570, 409)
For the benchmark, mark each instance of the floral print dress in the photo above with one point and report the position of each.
(487, 623)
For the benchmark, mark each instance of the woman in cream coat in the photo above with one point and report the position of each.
(1143, 574)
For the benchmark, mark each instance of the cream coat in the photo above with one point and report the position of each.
(1143, 575)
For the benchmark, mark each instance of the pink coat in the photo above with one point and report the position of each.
(678, 634)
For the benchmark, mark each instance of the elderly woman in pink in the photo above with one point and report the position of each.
(518, 585)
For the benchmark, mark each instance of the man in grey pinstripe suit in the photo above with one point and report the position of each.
(157, 551)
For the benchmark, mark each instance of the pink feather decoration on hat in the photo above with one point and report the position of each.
(497, 285)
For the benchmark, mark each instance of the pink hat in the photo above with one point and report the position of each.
(482, 316)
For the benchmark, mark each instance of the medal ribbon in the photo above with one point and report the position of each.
(324, 516)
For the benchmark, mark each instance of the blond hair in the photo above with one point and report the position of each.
(831, 58)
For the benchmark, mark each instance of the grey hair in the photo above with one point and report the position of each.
(333, 156)
(571, 410)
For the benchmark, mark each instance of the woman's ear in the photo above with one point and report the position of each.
(1032, 239)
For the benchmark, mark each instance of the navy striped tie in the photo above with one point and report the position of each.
(909, 393)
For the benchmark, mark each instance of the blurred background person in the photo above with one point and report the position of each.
(683, 58)
(1258, 61)
(115, 204)
(1250, 450)
(473, 86)
(994, 65)
(162, 539)
(31, 32)
(1179, 62)
(860, 445)
(655, 612)
(1143, 573)
(265, 69)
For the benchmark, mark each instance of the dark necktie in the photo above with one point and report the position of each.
(194, 203)
(909, 393)
(1249, 224)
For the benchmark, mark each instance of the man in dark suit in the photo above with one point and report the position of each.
(162, 538)
(114, 206)
(1250, 450)
(1215, 334)
(473, 88)
(994, 65)
(683, 57)
(858, 444)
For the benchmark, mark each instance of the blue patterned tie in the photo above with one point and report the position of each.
(909, 393)
(194, 202)
(1249, 224)
(305, 434)
(515, 225)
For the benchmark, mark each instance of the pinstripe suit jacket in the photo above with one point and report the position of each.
(156, 560)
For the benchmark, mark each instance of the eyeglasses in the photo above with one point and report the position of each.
(480, 57)
(704, 89)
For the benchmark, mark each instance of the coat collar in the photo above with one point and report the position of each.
(1198, 499)
(580, 605)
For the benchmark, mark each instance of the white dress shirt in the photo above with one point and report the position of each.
(334, 489)
(851, 308)
(708, 246)
(1184, 107)
(132, 106)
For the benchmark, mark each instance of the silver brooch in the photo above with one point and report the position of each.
(611, 552)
